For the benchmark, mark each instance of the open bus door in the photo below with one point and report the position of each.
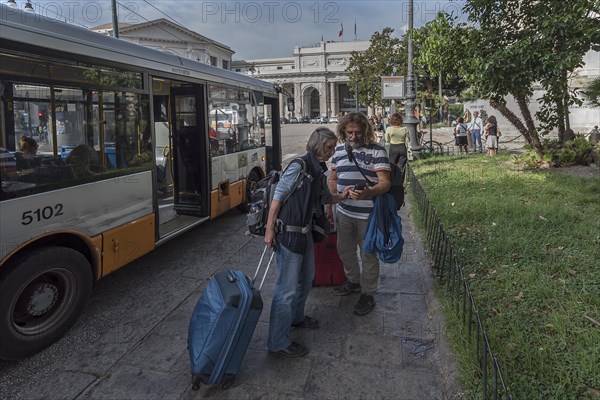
(190, 153)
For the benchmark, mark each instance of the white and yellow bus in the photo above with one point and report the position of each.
(125, 160)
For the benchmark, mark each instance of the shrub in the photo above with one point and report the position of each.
(573, 152)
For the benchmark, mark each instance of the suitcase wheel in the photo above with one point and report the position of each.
(196, 383)
(227, 381)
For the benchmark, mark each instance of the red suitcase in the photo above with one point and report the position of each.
(329, 269)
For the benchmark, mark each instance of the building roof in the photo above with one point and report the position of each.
(167, 23)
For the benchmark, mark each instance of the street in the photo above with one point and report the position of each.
(131, 339)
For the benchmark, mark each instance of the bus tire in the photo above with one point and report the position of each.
(41, 297)
(251, 182)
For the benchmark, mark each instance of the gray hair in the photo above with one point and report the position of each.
(361, 120)
(316, 141)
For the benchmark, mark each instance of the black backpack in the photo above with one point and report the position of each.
(262, 195)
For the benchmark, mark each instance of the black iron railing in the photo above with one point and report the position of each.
(449, 272)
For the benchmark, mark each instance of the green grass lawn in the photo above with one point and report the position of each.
(529, 242)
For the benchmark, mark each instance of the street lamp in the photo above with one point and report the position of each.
(356, 90)
(409, 120)
(356, 96)
(115, 19)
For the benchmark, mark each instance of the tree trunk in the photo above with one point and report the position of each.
(523, 104)
(561, 120)
(529, 132)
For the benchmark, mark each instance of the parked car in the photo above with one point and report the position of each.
(315, 120)
(268, 121)
(284, 121)
(304, 119)
(293, 120)
(333, 120)
(324, 120)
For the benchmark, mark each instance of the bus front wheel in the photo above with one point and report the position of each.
(251, 183)
(41, 296)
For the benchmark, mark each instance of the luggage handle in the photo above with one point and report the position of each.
(260, 263)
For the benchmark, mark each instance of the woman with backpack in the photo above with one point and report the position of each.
(491, 133)
(301, 190)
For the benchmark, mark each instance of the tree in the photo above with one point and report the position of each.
(520, 44)
(366, 69)
(439, 53)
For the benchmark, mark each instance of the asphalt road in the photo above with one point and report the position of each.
(125, 308)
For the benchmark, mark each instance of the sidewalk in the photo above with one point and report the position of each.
(398, 351)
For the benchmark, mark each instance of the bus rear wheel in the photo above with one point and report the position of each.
(41, 296)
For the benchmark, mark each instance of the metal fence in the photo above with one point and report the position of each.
(449, 272)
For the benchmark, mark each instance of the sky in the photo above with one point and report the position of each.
(258, 29)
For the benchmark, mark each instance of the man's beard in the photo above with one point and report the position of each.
(355, 144)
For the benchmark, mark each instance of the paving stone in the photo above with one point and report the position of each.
(373, 350)
(353, 380)
(133, 383)
(269, 370)
(157, 352)
(406, 303)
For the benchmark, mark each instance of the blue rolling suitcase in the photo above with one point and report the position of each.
(222, 325)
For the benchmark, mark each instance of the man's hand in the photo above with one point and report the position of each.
(329, 213)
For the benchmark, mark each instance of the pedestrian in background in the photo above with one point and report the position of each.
(288, 230)
(358, 143)
(491, 133)
(396, 136)
(377, 128)
(460, 134)
(475, 128)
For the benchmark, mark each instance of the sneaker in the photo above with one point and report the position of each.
(308, 323)
(346, 288)
(365, 304)
(294, 350)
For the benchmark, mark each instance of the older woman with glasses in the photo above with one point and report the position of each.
(288, 228)
(358, 144)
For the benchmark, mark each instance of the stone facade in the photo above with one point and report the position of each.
(172, 38)
(314, 76)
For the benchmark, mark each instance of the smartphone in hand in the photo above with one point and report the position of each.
(359, 186)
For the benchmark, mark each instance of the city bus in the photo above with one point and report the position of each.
(106, 152)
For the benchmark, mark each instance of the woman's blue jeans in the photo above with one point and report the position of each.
(294, 280)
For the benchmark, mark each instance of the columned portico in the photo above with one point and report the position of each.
(315, 77)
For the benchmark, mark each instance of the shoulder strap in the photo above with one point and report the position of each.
(370, 182)
(301, 176)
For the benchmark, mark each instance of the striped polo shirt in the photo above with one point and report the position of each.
(371, 158)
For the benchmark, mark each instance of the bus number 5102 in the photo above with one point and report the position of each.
(41, 214)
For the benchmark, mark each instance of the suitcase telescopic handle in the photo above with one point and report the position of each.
(260, 264)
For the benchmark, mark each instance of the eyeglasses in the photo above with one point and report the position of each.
(357, 134)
